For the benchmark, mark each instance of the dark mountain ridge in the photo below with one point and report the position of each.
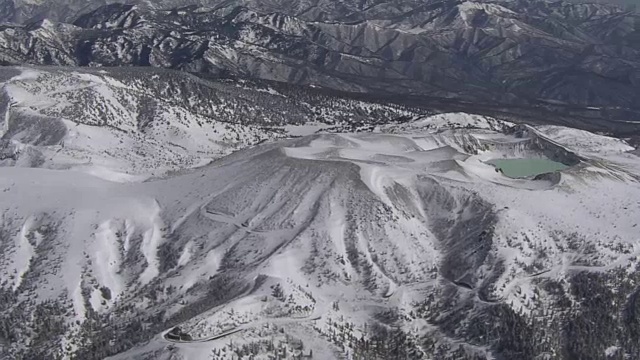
(520, 53)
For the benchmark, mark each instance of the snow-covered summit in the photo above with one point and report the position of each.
(292, 246)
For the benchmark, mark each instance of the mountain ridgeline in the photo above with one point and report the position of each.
(509, 53)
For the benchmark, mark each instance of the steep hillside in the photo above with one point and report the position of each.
(398, 242)
(508, 52)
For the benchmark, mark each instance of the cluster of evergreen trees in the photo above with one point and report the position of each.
(287, 348)
(256, 103)
(577, 318)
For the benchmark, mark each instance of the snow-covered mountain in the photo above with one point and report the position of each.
(135, 123)
(399, 240)
(289, 179)
(570, 57)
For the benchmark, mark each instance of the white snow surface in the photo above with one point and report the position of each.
(584, 141)
(103, 131)
(345, 225)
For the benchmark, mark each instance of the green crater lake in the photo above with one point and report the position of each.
(519, 168)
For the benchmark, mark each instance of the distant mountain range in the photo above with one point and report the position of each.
(578, 57)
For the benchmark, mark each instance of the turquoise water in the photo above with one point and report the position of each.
(518, 168)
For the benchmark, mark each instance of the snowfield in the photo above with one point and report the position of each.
(351, 245)
(101, 127)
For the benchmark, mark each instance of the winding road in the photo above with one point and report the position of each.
(315, 315)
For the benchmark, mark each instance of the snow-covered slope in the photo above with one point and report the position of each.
(566, 62)
(400, 242)
(584, 141)
(130, 124)
(111, 128)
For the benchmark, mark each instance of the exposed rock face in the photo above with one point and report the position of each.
(520, 52)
